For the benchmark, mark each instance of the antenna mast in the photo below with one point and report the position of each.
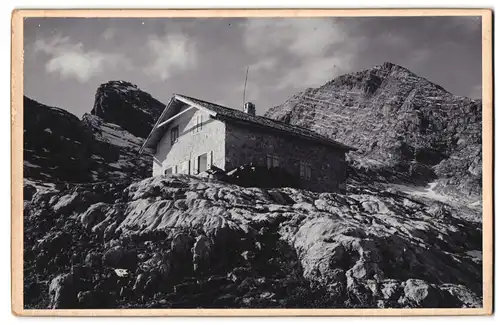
(245, 87)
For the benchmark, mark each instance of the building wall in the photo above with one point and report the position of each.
(191, 143)
(251, 145)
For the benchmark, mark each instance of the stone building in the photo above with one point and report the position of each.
(192, 135)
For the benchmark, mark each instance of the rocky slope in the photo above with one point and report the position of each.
(404, 126)
(56, 144)
(59, 147)
(183, 241)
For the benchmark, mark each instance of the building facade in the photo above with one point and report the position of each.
(192, 135)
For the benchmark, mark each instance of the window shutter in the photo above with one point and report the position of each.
(197, 125)
(211, 160)
(189, 167)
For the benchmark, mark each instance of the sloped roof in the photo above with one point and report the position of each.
(239, 117)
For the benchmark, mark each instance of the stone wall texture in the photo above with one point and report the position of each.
(246, 144)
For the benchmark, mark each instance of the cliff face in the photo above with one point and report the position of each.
(402, 124)
(122, 103)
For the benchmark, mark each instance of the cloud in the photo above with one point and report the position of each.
(299, 36)
(109, 33)
(170, 54)
(71, 60)
(316, 49)
(467, 24)
(264, 64)
(476, 92)
(313, 73)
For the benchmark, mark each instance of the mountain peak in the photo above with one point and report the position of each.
(390, 66)
(118, 84)
(387, 74)
(123, 103)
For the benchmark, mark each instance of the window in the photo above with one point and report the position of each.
(273, 161)
(305, 170)
(174, 134)
(199, 123)
(185, 167)
(202, 163)
(168, 171)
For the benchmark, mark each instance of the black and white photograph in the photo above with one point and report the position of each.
(252, 162)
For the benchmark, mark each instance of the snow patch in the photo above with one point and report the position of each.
(121, 272)
(40, 187)
(28, 164)
(118, 137)
(115, 165)
(427, 192)
(477, 256)
(95, 176)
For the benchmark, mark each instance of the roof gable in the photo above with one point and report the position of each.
(174, 109)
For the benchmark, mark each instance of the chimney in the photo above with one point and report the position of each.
(249, 108)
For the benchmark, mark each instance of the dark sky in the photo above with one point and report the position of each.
(66, 59)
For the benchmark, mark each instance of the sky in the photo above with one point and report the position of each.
(66, 59)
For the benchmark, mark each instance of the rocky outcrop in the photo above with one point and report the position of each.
(404, 127)
(122, 103)
(183, 241)
(116, 152)
(57, 145)
(60, 148)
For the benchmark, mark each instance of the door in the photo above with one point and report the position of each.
(202, 163)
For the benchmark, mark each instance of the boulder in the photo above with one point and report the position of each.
(86, 299)
(140, 284)
(93, 215)
(180, 246)
(421, 294)
(54, 242)
(63, 291)
(201, 250)
(121, 258)
(93, 259)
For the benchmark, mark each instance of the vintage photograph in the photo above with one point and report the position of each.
(252, 162)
